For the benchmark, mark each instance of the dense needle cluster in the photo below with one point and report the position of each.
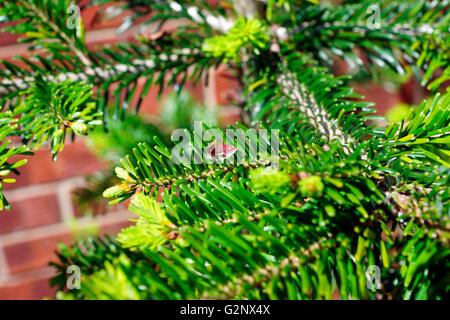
(355, 207)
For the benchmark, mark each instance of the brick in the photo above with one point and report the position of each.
(152, 105)
(412, 92)
(196, 90)
(384, 100)
(7, 38)
(32, 254)
(97, 208)
(116, 226)
(9, 52)
(229, 116)
(94, 208)
(227, 87)
(30, 257)
(93, 18)
(29, 213)
(74, 160)
(28, 289)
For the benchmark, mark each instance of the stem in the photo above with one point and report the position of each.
(39, 14)
(317, 116)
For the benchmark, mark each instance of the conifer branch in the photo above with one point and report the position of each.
(57, 31)
(218, 23)
(316, 115)
(338, 193)
(263, 275)
(96, 75)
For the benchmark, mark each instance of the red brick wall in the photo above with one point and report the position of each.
(41, 197)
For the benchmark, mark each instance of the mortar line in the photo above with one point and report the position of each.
(61, 227)
(209, 91)
(4, 270)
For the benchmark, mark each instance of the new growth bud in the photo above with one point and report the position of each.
(122, 174)
(116, 191)
(4, 173)
(311, 185)
(79, 127)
